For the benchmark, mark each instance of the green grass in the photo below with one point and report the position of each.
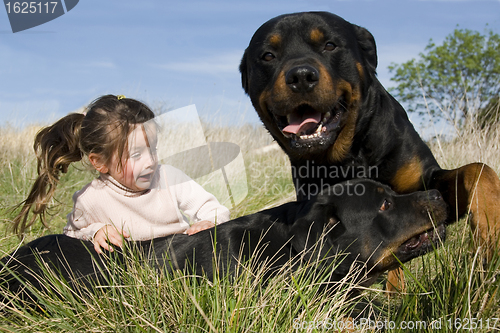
(448, 286)
(452, 286)
(139, 299)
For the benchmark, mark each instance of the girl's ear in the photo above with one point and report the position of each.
(96, 161)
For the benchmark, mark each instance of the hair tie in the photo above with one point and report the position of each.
(120, 97)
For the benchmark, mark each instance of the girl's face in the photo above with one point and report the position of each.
(140, 161)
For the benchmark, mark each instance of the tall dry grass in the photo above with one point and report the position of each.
(471, 145)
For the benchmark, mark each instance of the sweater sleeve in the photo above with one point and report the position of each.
(80, 223)
(193, 200)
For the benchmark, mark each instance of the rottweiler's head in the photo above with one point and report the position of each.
(306, 75)
(372, 225)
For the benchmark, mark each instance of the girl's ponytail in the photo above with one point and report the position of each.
(56, 147)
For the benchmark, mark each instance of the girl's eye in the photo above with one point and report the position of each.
(330, 46)
(385, 206)
(268, 56)
(135, 155)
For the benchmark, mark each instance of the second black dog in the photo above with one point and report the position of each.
(365, 220)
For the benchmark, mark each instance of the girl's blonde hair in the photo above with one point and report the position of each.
(103, 130)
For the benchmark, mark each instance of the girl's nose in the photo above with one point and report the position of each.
(151, 157)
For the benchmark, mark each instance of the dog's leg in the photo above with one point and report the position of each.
(395, 281)
(473, 189)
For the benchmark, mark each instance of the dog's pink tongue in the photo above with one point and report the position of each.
(301, 124)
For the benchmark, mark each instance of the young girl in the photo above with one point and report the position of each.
(133, 197)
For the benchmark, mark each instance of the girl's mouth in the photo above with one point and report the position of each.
(146, 178)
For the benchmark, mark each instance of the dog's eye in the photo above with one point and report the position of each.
(330, 46)
(385, 206)
(268, 56)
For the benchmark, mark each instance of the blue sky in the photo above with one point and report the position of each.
(165, 52)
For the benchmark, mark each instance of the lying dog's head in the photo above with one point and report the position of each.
(373, 224)
(306, 75)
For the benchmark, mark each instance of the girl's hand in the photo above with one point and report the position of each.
(199, 226)
(111, 234)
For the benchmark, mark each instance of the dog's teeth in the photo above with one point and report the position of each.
(316, 134)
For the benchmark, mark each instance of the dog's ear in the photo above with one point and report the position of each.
(306, 233)
(332, 223)
(243, 71)
(368, 47)
(335, 229)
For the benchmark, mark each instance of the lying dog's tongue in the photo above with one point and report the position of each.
(302, 123)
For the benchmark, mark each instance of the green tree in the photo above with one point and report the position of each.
(452, 81)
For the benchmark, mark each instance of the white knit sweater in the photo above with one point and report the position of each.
(148, 214)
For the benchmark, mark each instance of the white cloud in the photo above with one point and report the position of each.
(101, 64)
(226, 63)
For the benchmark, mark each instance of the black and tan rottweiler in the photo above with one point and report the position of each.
(364, 220)
(311, 77)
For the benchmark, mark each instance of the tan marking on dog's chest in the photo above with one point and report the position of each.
(408, 178)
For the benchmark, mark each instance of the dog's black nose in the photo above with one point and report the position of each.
(302, 78)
